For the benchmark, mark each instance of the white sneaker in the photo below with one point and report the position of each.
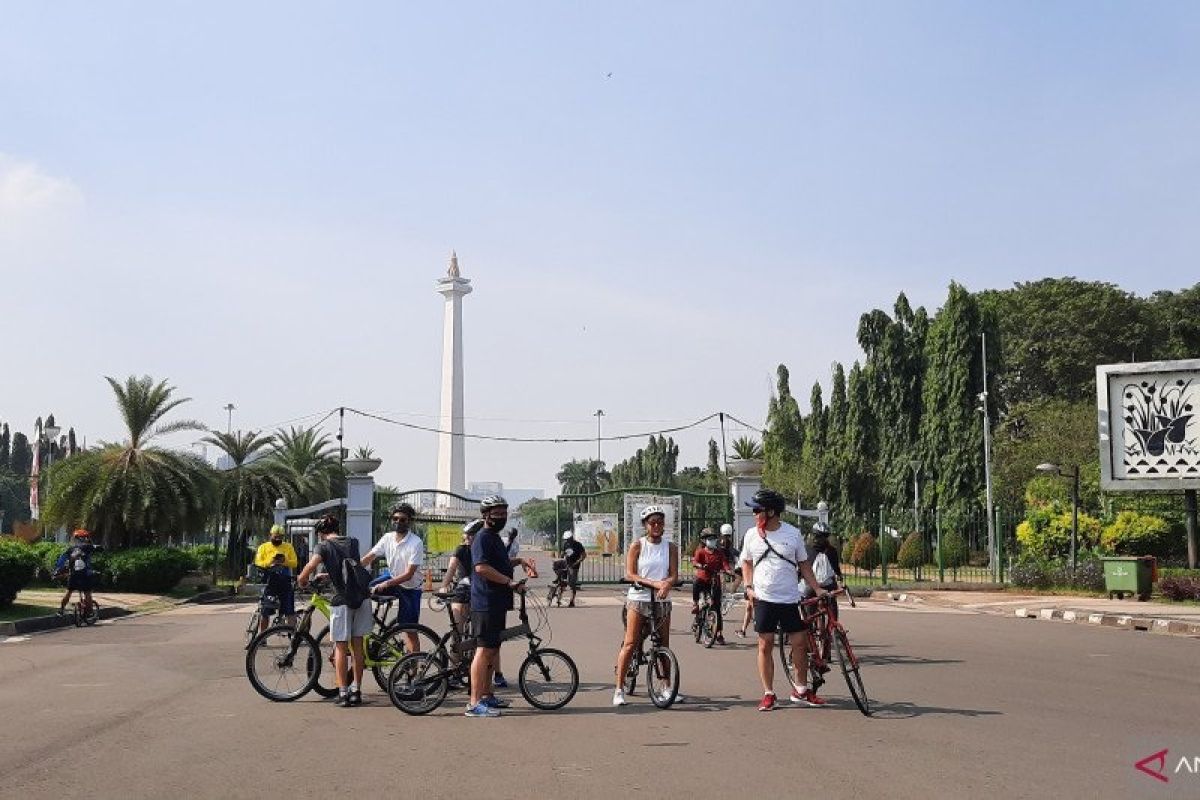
(619, 698)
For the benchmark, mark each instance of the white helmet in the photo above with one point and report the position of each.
(727, 529)
(650, 511)
(568, 535)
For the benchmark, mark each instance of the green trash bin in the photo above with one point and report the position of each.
(1128, 575)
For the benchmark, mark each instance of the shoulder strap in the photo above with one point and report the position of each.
(770, 550)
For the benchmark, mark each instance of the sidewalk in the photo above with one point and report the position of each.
(112, 604)
(1173, 618)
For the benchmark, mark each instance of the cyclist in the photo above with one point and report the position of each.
(513, 544)
(709, 561)
(458, 576)
(347, 626)
(492, 588)
(650, 562)
(826, 566)
(772, 551)
(75, 564)
(405, 553)
(573, 554)
(277, 574)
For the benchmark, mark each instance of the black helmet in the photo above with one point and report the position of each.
(820, 530)
(768, 499)
(403, 508)
(327, 524)
(490, 502)
(472, 528)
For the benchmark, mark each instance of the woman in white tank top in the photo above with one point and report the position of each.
(651, 565)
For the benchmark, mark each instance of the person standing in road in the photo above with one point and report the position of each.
(573, 553)
(405, 553)
(772, 552)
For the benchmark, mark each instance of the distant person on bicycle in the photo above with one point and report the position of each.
(826, 566)
(75, 564)
(492, 588)
(710, 564)
(772, 552)
(347, 626)
(277, 574)
(458, 577)
(651, 564)
(573, 554)
(405, 553)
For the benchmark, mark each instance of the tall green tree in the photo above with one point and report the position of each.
(135, 491)
(653, 465)
(783, 440)
(813, 480)
(249, 488)
(5, 447)
(20, 461)
(714, 475)
(309, 459)
(859, 493)
(586, 476)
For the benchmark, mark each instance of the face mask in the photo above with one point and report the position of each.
(710, 544)
(496, 524)
(401, 526)
(276, 541)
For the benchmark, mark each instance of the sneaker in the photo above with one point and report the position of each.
(768, 702)
(354, 698)
(482, 710)
(741, 633)
(807, 698)
(571, 604)
(619, 698)
(343, 700)
(695, 609)
(499, 682)
(491, 701)
(720, 639)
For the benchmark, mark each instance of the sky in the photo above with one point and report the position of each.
(656, 203)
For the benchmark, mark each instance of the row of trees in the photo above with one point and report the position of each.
(915, 396)
(138, 491)
(16, 464)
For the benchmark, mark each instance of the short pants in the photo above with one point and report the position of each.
(410, 605)
(488, 627)
(770, 616)
(346, 623)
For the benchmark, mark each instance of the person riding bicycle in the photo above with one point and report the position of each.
(573, 554)
(772, 551)
(405, 553)
(651, 564)
(709, 561)
(826, 566)
(75, 564)
(277, 574)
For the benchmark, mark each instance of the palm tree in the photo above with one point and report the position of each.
(311, 462)
(129, 493)
(583, 477)
(249, 488)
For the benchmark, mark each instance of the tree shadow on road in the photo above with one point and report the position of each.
(912, 710)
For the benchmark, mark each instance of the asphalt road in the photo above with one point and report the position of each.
(968, 705)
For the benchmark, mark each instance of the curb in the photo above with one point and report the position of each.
(1119, 621)
(52, 621)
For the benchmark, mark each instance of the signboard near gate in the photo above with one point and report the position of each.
(598, 532)
(634, 503)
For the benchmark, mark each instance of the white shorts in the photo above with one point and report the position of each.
(346, 622)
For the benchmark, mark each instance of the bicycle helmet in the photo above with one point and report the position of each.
(820, 530)
(650, 511)
(403, 508)
(490, 502)
(82, 533)
(277, 529)
(727, 529)
(769, 499)
(472, 528)
(568, 535)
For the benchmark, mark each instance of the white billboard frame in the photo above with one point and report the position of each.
(1122, 386)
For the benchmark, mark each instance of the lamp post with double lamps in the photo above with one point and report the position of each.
(1055, 469)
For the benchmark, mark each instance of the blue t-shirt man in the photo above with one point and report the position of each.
(488, 548)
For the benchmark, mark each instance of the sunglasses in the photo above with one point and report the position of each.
(656, 521)
(759, 510)
(398, 519)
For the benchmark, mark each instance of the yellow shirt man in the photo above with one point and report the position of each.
(276, 544)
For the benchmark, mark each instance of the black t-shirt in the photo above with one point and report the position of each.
(332, 553)
(573, 552)
(488, 548)
(463, 554)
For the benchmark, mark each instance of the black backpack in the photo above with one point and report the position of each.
(356, 579)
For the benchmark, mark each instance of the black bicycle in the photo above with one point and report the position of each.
(705, 621)
(560, 583)
(662, 666)
(419, 683)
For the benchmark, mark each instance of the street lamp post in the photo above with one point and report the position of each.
(916, 468)
(230, 407)
(1055, 469)
(599, 413)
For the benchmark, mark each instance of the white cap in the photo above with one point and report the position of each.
(568, 535)
(727, 529)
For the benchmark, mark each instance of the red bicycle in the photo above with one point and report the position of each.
(825, 633)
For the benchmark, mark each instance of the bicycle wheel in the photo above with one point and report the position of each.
(548, 679)
(417, 684)
(662, 677)
(435, 604)
(551, 593)
(388, 647)
(708, 628)
(326, 684)
(785, 658)
(631, 672)
(79, 615)
(252, 628)
(283, 665)
(851, 672)
(93, 613)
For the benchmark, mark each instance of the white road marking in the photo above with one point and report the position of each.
(14, 639)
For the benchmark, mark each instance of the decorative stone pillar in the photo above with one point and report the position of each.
(745, 478)
(451, 453)
(360, 510)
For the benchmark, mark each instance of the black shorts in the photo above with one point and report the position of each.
(488, 626)
(79, 581)
(770, 616)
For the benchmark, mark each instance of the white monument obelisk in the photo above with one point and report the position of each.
(451, 466)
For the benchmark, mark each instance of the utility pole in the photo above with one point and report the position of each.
(987, 459)
(230, 407)
(599, 413)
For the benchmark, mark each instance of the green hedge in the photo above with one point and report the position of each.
(17, 564)
(47, 555)
(148, 570)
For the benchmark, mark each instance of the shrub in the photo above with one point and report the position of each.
(1179, 588)
(1134, 534)
(912, 552)
(866, 553)
(150, 570)
(17, 564)
(47, 555)
(1030, 572)
(1089, 572)
(1045, 534)
(206, 556)
(848, 550)
(954, 551)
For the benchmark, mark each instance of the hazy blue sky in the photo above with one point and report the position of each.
(254, 200)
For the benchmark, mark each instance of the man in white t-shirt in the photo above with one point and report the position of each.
(772, 554)
(405, 553)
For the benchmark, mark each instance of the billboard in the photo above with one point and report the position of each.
(442, 537)
(1149, 434)
(634, 503)
(598, 532)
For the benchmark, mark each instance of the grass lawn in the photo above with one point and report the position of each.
(25, 610)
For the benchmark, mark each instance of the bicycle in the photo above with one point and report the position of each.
(561, 582)
(87, 611)
(729, 597)
(704, 621)
(825, 630)
(274, 614)
(418, 683)
(273, 658)
(662, 666)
